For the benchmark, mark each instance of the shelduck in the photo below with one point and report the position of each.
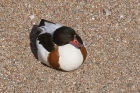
(59, 47)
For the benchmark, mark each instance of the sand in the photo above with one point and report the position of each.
(110, 30)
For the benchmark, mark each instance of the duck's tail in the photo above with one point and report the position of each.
(43, 22)
(46, 26)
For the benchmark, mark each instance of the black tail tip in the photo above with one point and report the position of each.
(42, 22)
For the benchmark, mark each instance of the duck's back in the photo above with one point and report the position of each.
(48, 28)
(44, 40)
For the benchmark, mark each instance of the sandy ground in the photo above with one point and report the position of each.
(110, 30)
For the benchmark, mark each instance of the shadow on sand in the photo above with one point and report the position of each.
(33, 41)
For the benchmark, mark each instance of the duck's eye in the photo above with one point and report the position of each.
(68, 35)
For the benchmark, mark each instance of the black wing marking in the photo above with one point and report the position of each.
(46, 41)
(42, 22)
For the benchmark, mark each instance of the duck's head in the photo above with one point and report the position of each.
(66, 35)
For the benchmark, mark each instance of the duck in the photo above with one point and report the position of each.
(59, 47)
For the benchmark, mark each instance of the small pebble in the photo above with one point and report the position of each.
(32, 16)
(93, 18)
(107, 12)
(121, 16)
